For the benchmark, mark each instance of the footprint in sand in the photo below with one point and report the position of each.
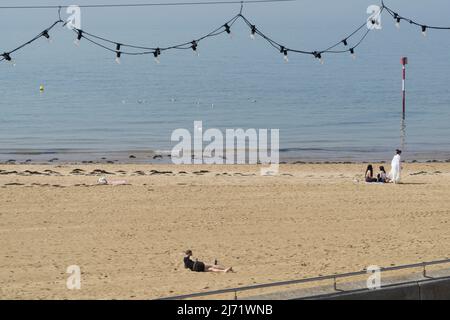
(100, 171)
(52, 172)
(2, 172)
(200, 173)
(418, 173)
(77, 171)
(154, 172)
(33, 173)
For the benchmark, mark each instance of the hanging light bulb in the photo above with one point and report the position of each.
(156, 54)
(397, 20)
(318, 55)
(284, 51)
(253, 32)
(118, 53)
(424, 31)
(47, 36)
(352, 52)
(285, 56)
(345, 42)
(194, 47)
(8, 58)
(79, 36)
(227, 29)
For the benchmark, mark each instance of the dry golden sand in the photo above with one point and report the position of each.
(128, 240)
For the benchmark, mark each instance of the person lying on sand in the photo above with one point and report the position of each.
(199, 266)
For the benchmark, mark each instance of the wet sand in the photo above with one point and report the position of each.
(312, 219)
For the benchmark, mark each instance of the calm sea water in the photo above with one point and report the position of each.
(342, 110)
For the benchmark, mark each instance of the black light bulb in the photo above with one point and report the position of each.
(253, 32)
(227, 28)
(79, 36)
(156, 54)
(424, 30)
(7, 56)
(45, 34)
(345, 42)
(118, 53)
(352, 52)
(284, 51)
(318, 55)
(194, 45)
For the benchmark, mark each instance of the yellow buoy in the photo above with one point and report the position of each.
(41, 88)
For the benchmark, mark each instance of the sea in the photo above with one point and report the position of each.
(93, 109)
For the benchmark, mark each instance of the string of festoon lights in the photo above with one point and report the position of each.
(346, 45)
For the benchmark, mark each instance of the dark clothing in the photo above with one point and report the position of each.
(196, 266)
(382, 177)
(199, 266)
(188, 263)
(369, 177)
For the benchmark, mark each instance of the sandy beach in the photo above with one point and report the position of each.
(312, 219)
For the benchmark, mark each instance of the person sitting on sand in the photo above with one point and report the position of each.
(369, 174)
(382, 176)
(199, 266)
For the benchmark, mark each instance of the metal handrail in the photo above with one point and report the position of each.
(305, 280)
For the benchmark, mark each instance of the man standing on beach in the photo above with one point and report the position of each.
(394, 175)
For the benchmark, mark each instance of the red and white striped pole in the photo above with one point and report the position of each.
(404, 62)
